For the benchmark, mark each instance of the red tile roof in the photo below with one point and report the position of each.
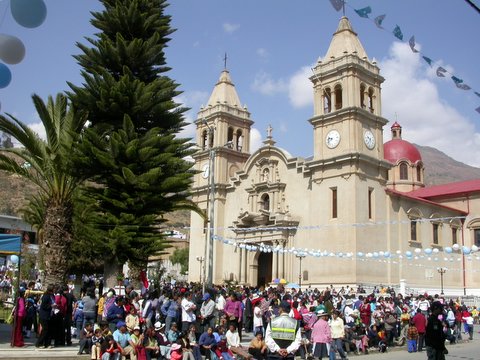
(456, 188)
(411, 196)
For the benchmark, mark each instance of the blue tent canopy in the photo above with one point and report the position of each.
(10, 244)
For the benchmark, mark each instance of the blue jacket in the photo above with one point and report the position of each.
(112, 313)
(170, 308)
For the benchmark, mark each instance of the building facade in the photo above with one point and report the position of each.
(356, 212)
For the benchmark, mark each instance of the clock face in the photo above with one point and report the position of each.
(205, 171)
(332, 139)
(369, 139)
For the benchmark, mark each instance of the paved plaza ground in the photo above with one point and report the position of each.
(467, 350)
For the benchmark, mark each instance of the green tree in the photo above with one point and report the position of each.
(45, 163)
(130, 152)
(180, 256)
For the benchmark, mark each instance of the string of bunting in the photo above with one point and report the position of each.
(427, 253)
(441, 72)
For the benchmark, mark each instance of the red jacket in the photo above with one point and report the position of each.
(420, 322)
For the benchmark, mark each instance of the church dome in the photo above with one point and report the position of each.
(398, 149)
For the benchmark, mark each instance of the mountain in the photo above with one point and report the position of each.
(439, 169)
(442, 169)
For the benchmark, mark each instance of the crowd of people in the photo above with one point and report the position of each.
(183, 322)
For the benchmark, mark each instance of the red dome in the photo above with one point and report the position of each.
(398, 149)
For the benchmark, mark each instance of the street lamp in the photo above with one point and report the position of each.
(441, 271)
(300, 257)
(208, 278)
(200, 259)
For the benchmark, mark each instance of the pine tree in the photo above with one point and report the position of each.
(130, 151)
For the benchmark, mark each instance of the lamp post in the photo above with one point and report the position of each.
(208, 278)
(441, 271)
(300, 257)
(200, 259)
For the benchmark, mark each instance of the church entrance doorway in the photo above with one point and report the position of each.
(264, 275)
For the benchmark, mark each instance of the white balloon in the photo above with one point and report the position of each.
(12, 50)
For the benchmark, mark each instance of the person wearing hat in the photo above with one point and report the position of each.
(434, 335)
(207, 310)
(283, 335)
(349, 313)
(162, 339)
(122, 337)
(321, 335)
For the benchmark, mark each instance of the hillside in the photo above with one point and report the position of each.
(442, 169)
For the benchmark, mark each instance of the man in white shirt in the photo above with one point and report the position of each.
(188, 312)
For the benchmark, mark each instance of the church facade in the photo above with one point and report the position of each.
(356, 212)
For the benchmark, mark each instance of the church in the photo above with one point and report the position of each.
(356, 212)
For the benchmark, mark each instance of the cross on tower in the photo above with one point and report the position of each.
(225, 62)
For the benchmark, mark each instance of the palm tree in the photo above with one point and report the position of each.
(46, 164)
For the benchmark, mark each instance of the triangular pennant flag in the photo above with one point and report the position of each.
(477, 93)
(441, 71)
(478, 109)
(411, 42)
(378, 21)
(463, 86)
(364, 12)
(428, 60)
(398, 33)
(456, 80)
(337, 4)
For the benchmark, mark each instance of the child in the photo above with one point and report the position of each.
(110, 349)
(467, 317)
(412, 337)
(132, 320)
(78, 318)
(31, 315)
(97, 340)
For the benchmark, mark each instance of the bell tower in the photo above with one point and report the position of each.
(347, 100)
(223, 140)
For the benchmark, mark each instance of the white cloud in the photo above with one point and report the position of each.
(39, 129)
(410, 91)
(230, 28)
(283, 127)
(264, 84)
(255, 140)
(300, 88)
(189, 130)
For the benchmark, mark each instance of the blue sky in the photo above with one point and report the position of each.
(271, 45)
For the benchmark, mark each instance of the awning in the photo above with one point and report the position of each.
(10, 244)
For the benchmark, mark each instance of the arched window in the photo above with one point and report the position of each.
(265, 202)
(338, 97)
(362, 96)
(204, 139)
(210, 143)
(419, 173)
(403, 171)
(327, 101)
(239, 143)
(230, 137)
(370, 100)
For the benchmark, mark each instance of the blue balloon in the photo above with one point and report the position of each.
(14, 259)
(28, 13)
(386, 254)
(428, 251)
(408, 253)
(5, 76)
(360, 254)
(448, 250)
(466, 250)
